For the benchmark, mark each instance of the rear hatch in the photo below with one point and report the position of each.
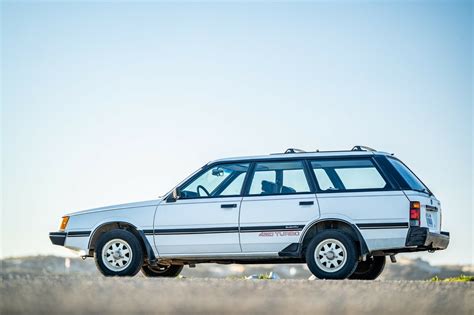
(429, 207)
(430, 210)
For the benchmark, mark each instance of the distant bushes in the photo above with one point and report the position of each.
(461, 278)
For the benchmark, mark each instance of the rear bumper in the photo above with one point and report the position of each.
(57, 238)
(422, 238)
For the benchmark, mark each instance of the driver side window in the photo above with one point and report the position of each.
(218, 181)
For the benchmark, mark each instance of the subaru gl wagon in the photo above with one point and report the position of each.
(341, 212)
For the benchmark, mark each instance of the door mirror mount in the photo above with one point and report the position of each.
(175, 195)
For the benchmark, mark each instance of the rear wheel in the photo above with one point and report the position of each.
(118, 253)
(369, 269)
(331, 254)
(162, 271)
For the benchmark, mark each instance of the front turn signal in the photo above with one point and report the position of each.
(64, 222)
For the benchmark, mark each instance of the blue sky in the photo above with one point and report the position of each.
(104, 103)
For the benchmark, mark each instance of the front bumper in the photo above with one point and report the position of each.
(424, 239)
(58, 238)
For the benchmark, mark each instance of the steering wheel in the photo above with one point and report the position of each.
(202, 187)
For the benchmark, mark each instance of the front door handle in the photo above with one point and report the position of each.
(229, 205)
(306, 203)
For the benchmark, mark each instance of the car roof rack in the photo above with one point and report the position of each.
(294, 150)
(362, 148)
(355, 148)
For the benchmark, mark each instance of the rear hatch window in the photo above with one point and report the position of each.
(409, 177)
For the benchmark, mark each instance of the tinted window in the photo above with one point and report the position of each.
(408, 175)
(323, 179)
(218, 181)
(235, 186)
(343, 175)
(274, 178)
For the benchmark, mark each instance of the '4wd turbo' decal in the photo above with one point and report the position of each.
(279, 233)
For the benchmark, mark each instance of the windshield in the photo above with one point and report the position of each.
(408, 175)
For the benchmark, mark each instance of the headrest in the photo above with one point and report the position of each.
(268, 187)
(287, 190)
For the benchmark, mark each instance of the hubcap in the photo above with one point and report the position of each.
(117, 254)
(330, 255)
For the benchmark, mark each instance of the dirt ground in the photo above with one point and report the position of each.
(73, 294)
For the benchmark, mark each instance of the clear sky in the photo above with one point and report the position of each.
(106, 103)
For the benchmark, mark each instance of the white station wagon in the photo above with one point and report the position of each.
(340, 212)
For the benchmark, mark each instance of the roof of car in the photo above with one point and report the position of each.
(294, 153)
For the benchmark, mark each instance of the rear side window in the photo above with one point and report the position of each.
(408, 175)
(347, 175)
(279, 178)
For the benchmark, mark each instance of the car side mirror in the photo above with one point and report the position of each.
(175, 195)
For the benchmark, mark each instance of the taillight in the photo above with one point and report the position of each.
(415, 213)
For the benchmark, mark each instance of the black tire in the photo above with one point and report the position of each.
(345, 268)
(135, 253)
(369, 269)
(162, 271)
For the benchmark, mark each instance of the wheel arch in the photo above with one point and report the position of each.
(121, 224)
(333, 223)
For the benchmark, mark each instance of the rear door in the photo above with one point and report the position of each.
(355, 188)
(278, 204)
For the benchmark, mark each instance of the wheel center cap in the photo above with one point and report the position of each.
(330, 255)
(117, 254)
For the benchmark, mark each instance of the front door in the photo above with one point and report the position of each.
(204, 220)
(276, 208)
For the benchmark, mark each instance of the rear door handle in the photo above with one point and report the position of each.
(306, 203)
(229, 205)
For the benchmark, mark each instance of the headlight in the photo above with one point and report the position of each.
(64, 222)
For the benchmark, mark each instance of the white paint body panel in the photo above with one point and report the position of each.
(354, 208)
(370, 207)
(139, 214)
(274, 211)
(364, 207)
(429, 201)
(78, 244)
(195, 214)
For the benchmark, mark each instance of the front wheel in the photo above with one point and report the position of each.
(369, 269)
(118, 253)
(331, 254)
(162, 271)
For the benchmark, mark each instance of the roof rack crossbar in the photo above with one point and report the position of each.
(362, 148)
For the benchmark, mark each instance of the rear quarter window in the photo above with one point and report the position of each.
(347, 175)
